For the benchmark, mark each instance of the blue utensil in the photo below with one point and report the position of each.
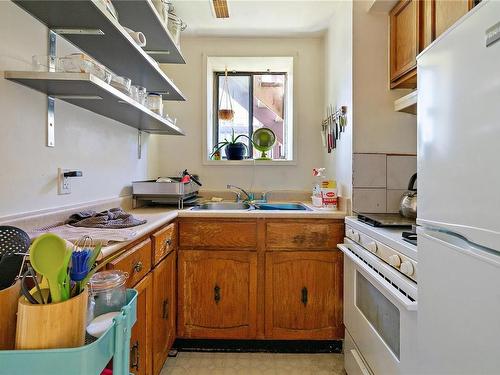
(79, 264)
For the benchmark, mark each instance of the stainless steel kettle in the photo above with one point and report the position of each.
(408, 205)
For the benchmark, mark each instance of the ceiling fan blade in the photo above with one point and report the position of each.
(220, 8)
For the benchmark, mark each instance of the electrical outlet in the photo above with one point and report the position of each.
(63, 183)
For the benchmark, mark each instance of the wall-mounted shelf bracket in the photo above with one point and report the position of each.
(139, 144)
(50, 99)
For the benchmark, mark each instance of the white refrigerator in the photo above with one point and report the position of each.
(459, 198)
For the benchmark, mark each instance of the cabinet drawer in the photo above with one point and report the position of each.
(301, 236)
(164, 241)
(232, 234)
(136, 261)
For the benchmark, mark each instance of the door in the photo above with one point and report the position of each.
(164, 276)
(304, 295)
(447, 12)
(141, 337)
(404, 42)
(459, 304)
(458, 132)
(217, 294)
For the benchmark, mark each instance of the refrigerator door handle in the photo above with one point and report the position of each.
(458, 243)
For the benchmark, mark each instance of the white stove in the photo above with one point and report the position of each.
(380, 300)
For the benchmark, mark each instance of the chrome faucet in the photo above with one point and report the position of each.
(238, 195)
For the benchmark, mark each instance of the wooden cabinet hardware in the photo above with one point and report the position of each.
(134, 356)
(303, 294)
(138, 266)
(217, 294)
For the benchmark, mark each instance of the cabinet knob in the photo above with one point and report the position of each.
(217, 294)
(134, 356)
(168, 242)
(304, 296)
(165, 309)
(138, 267)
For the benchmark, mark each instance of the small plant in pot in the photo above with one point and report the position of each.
(234, 150)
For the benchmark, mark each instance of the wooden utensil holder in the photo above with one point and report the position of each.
(8, 311)
(51, 326)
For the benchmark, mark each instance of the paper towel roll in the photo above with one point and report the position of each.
(138, 37)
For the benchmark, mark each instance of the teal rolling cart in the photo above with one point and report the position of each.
(89, 359)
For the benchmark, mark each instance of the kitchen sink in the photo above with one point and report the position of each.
(223, 206)
(282, 207)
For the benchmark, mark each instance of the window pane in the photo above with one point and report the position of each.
(239, 90)
(269, 110)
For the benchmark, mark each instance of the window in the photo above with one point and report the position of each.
(260, 97)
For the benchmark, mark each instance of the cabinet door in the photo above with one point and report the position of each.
(217, 294)
(447, 12)
(141, 338)
(164, 310)
(304, 295)
(404, 42)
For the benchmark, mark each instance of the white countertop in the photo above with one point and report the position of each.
(389, 236)
(158, 216)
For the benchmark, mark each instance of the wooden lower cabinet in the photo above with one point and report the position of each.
(140, 342)
(217, 294)
(164, 310)
(304, 295)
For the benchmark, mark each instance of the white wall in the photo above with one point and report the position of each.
(104, 150)
(177, 153)
(377, 127)
(338, 74)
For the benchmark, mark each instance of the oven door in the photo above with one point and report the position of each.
(379, 312)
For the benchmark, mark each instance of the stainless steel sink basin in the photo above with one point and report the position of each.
(282, 207)
(223, 206)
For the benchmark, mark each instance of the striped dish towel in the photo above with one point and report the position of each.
(98, 235)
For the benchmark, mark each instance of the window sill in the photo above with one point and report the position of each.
(250, 162)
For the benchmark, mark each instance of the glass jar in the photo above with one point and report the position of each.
(107, 292)
(138, 93)
(155, 103)
(175, 25)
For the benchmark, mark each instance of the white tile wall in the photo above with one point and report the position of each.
(369, 171)
(369, 200)
(399, 170)
(379, 181)
(393, 200)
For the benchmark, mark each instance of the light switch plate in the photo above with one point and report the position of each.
(63, 183)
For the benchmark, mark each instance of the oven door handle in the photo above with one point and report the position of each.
(377, 279)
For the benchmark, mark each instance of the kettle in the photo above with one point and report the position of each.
(408, 205)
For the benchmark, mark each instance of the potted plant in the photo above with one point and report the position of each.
(234, 150)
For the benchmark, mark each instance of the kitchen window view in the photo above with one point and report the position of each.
(259, 100)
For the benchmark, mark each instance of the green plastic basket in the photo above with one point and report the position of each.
(89, 359)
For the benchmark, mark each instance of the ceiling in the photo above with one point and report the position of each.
(257, 17)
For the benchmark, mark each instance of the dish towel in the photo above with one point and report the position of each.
(99, 235)
(114, 218)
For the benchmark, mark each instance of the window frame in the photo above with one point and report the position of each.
(285, 63)
(251, 75)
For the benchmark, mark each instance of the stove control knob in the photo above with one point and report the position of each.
(394, 260)
(407, 268)
(372, 246)
(355, 236)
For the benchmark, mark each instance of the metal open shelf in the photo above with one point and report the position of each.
(89, 92)
(89, 26)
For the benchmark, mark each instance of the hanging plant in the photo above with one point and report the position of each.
(226, 112)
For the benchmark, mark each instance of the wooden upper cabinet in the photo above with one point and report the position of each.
(447, 12)
(217, 294)
(404, 43)
(304, 295)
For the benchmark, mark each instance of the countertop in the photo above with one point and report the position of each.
(159, 216)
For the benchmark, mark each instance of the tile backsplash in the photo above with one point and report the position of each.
(379, 181)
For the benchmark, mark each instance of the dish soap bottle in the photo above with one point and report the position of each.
(318, 173)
